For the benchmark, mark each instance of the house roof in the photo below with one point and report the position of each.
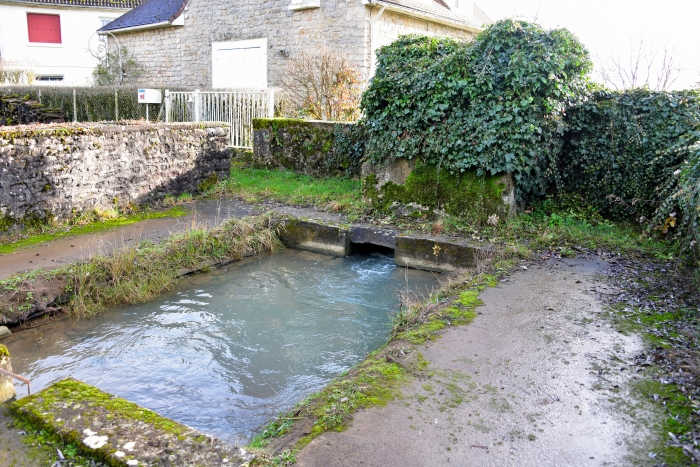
(117, 4)
(149, 13)
(439, 9)
(154, 13)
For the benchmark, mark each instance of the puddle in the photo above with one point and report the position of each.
(224, 351)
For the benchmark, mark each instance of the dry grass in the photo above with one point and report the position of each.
(139, 273)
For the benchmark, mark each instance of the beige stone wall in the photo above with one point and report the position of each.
(391, 25)
(181, 56)
(157, 56)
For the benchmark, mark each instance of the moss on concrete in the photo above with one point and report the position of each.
(80, 414)
(305, 146)
(468, 196)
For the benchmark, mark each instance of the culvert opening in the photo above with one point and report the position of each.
(370, 248)
(224, 351)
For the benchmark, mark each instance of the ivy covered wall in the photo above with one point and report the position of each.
(310, 147)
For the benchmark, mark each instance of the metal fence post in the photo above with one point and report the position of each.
(168, 106)
(75, 108)
(197, 105)
(116, 106)
(271, 104)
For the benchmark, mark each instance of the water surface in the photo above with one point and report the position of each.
(224, 351)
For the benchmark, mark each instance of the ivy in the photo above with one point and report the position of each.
(678, 215)
(623, 147)
(494, 104)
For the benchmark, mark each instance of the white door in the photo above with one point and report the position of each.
(239, 64)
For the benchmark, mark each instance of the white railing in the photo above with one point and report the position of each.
(237, 108)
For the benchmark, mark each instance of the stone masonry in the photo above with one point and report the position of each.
(55, 171)
(180, 56)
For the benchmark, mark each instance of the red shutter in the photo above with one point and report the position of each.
(44, 28)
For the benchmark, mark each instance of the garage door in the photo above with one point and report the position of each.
(239, 64)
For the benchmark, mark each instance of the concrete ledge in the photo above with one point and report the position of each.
(374, 236)
(315, 237)
(120, 433)
(436, 254)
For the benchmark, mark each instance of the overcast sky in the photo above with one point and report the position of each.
(607, 27)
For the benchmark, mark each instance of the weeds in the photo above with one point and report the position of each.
(140, 273)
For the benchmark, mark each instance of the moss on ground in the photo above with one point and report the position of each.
(42, 233)
(39, 406)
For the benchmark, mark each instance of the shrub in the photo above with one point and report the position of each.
(322, 85)
(621, 148)
(678, 215)
(495, 104)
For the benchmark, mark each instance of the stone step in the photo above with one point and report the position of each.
(120, 433)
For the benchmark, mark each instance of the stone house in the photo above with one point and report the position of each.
(246, 43)
(48, 40)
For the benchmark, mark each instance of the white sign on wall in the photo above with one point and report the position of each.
(239, 64)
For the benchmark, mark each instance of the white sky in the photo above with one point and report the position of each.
(607, 27)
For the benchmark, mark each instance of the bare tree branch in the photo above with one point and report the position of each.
(643, 67)
(322, 85)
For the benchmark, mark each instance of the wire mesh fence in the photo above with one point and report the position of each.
(92, 104)
(99, 104)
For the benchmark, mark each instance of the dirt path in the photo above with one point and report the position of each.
(538, 379)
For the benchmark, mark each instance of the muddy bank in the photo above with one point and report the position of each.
(61, 252)
(539, 378)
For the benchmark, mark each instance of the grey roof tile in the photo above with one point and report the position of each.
(149, 12)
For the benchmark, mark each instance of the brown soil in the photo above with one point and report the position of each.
(540, 378)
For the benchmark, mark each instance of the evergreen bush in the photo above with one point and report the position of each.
(622, 148)
(495, 104)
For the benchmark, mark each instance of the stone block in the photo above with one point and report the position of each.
(437, 254)
(374, 236)
(116, 432)
(320, 238)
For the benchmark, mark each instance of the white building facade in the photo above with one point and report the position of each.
(50, 40)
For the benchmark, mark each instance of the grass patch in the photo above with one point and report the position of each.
(44, 234)
(421, 320)
(373, 382)
(678, 417)
(255, 185)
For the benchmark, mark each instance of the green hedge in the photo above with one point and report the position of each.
(93, 104)
(622, 148)
(494, 104)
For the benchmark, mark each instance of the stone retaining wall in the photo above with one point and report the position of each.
(311, 147)
(55, 171)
